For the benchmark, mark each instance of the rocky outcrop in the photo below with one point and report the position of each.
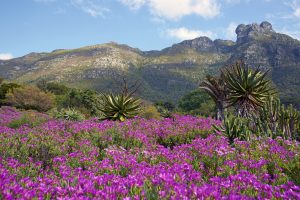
(246, 33)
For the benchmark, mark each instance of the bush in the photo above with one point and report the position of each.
(87, 101)
(197, 102)
(4, 89)
(28, 97)
(55, 88)
(69, 114)
(150, 112)
(178, 139)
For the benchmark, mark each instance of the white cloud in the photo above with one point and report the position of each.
(295, 5)
(6, 56)
(176, 9)
(230, 31)
(186, 34)
(90, 7)
(297, 12)
(133, 4)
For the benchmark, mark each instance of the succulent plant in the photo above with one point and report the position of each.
(119, 107)
(69, 114)
(247, 89)
(234, 128)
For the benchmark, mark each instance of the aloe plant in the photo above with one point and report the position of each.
(275, 119)
(289, 122)
(119, 107)
(234, 128)
(247, 89)
(69, 114)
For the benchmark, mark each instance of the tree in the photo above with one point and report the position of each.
(215, 87)
(197, 102)
(247, 89)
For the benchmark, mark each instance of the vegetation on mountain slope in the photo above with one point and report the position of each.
(167, 74)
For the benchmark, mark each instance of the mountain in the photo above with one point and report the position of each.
(169, 73)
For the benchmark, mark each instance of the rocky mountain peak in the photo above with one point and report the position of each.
(252, 31)
(199, 44)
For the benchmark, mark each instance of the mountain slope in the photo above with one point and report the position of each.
(169, 73)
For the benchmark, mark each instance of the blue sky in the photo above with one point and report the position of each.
(44, 25)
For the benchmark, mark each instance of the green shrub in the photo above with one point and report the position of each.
(179, 139)
(28, 97)
(68, 114)
(234, 128)
(4, 89)
(197, 102)
(150, 112)
(276, 119)
(87, 101)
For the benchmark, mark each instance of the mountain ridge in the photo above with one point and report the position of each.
(169, 73)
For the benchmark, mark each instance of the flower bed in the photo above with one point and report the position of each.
(176, 158)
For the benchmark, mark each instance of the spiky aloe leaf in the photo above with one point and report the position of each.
(119, 107)
(247, 89)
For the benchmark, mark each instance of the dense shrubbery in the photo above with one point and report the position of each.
(87, 101)
(197, 102)
(29, 97)
(4, 89)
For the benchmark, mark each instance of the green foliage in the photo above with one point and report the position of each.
(120, 107)
(216, 89)
(247, 89)
(4, 89)
(165, 105)
(292, 169)
(114, 137)
(179, 139)
(234, 128)
(151, 191)
(272, 120)
(276, 119)
(149, 111)
(28, 97)
(30, 119)
(197, 102)
(31, 146)
(69, 114)
(165, 109)
(55, 88)
(87, 101)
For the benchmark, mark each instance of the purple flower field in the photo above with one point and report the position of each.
(178, 158)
